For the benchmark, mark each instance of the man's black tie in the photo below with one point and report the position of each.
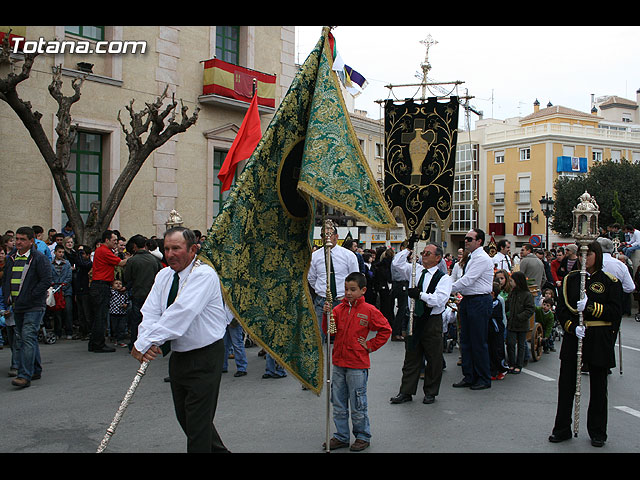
(332, 278)
(173, 293)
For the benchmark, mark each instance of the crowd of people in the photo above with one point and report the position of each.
(486, 305)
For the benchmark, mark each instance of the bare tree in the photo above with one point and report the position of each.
(150, 128)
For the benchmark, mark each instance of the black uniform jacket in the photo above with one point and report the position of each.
(601, 317)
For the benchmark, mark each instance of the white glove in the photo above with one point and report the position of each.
(580, 331)
(581, 304)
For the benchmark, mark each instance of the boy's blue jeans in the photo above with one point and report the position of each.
(349, 390)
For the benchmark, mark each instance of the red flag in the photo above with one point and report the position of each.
(243, 146)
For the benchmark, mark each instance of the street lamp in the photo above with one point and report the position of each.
(546, 204)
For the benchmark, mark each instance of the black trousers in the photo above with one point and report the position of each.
(84, 313)
(429, 346)
(195, 383)
(99, 296)
(399, 292)
(597, 411)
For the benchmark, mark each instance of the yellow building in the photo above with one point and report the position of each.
(520, 159)
(182, 174)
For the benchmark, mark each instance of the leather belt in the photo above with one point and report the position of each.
(597, 323)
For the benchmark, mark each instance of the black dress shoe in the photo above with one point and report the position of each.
(429, 399)
(401, 398)
(104, 349)
(462, 384)
(239, 374)
(597, 443)
(480, 386)
(553, 438)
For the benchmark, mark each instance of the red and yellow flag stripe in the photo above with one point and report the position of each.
(233, 81)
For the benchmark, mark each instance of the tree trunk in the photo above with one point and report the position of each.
(150, 121)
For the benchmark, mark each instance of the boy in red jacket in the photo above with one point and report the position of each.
(354, 319)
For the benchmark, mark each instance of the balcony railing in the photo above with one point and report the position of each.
(564, 130)
(497, 198)
(523, 196)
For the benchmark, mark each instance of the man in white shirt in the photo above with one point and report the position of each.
(615, 267)
(502, 259)
(475, 286)
(426, 341)
(185, 307)
(343, 263)
(634, 240)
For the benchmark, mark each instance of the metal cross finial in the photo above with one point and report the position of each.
(426, 66)
(428, 42)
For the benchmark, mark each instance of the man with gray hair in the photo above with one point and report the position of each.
(614, 266)
(431, 295)
(533, 268)
(186, 308)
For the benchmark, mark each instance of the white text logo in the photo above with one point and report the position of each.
(80, 46)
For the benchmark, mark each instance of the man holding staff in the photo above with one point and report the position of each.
(601, 310)
(185, 308)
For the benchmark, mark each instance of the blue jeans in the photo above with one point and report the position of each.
(349, 389)
(629, 250)
(27, 348)
(273, 368)
(234, 341)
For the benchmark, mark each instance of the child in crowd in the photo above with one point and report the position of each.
(496, 335)
(118, 312)
(3, 323)
(546, 318)
(62, 275)
(354, 320)
(502, 277)
(450, 324)
(519, 307)
(550, 294)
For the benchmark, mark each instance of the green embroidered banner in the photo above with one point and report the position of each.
(260, 243)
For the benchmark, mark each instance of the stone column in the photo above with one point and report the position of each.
(165, 161)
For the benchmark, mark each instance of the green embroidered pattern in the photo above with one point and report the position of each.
(260, 243)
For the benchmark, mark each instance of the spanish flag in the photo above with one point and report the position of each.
(260, 243)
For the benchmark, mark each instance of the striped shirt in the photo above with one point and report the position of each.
(17, 271)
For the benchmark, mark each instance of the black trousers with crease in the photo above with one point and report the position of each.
(195, 383)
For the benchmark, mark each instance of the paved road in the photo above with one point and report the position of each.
(71, 406)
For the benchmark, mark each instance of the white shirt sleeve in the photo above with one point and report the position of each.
(401, 266)
(198, 315)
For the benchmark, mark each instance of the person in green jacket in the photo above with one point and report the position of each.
(546, 318)
(519, 307)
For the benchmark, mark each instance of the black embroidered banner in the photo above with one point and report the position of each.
(420, 155)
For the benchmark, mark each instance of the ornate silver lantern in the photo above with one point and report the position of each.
(585, 230)
(585, 219)
(174, 220)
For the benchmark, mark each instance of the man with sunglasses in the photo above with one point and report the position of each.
(431, 295)
(475, 286)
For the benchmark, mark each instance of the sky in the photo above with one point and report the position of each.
(504, 68)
